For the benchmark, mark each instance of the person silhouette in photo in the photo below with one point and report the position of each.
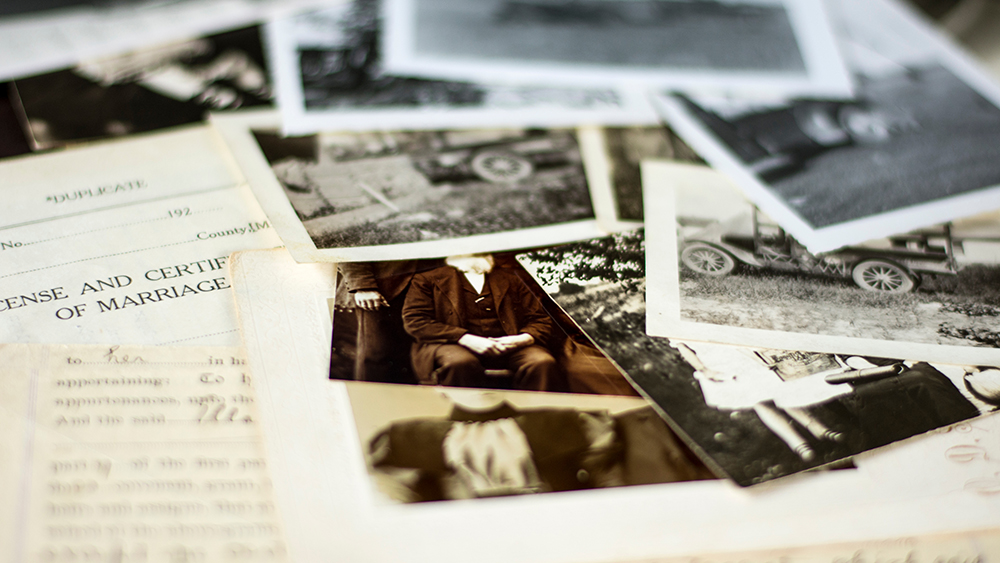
(376, 292)
(468, 317)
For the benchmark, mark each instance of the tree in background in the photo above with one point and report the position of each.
(619, 258)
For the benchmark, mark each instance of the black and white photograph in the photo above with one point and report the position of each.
(722, 270)
(754, 414)
(425, 444)
(918, 145)
(47, 35)
(617, 190)
(414, 194)
(21, 7)
(330, 77)
(460, 321)
(145, 90)
(772, 46)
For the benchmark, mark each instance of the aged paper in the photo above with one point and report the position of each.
(122, 453)
(117, 242)
(322, 482)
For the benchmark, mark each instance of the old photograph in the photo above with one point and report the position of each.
(416, 194)
(145, 90)
(430, 443)
(35, 7)
(329, 76)
(720, 269)
(460, 321)
(755, 414)
(616, 189)
(773, 46)
(325, 472)
(918, 145)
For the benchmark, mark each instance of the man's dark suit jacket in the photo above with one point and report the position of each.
(388, 278)
(433, 313)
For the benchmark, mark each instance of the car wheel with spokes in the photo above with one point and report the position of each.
(879, 275)
(501, 167)
(707, 260)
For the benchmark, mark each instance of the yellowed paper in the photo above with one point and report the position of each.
(126, 242)
(318, 435)
(133, 454)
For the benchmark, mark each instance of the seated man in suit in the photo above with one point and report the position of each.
(467, 317)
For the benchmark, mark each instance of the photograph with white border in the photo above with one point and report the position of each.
(721, 270)
(348, 197)
(778, 47)
(613, 172)
(322, 483)
(35, 38)
(330, 77)
(755, 414)
(144, 90)
(918, 146)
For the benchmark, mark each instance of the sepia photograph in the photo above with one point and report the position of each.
(776, 46)
(329, 76)
(425, 444)
(460, 321)
(145, 90)
(918, 145)
(285, 319)
(754, 414)
(721, 269)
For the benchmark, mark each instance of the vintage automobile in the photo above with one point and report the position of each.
(499, 161)
(751, 240)
(777, 141)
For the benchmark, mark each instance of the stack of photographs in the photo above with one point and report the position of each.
(467, 354)
(571, 280)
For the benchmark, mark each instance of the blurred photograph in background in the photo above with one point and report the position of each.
(144, 90)
(917, 146)
(20, 7)
(779, 47)
(330, 75)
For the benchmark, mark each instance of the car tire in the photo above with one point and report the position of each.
(707, 260)
(865, 126)
(880, 275)
(501, 167)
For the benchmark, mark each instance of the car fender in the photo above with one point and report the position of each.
(737, 253)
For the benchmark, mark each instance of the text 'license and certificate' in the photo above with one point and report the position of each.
(120, 242)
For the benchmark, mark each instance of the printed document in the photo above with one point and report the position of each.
(117, 453)
(125, 242)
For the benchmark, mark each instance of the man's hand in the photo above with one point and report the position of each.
(370, 300)
(481, 345)
(515, 341)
